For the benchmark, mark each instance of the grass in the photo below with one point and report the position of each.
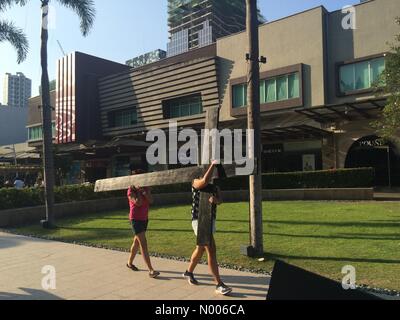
(319, 236)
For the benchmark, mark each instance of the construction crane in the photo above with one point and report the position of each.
(61, 48)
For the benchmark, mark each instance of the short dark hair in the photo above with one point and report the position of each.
(138, 171)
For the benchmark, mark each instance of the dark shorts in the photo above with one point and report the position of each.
(139, 226)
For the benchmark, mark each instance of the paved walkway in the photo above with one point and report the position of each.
(84, 273)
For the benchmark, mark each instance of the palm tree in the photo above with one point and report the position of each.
(86, 11)
(15, 36)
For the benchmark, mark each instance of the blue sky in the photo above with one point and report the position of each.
(123, 29)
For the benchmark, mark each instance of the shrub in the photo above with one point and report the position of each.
(343, 178)
(31, 197)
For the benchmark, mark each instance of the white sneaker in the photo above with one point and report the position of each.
(223, 289)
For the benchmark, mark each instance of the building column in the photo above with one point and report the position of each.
(329, 153)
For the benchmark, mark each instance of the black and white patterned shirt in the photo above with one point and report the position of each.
(196, 201)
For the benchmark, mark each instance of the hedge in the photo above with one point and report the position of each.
(31, 197)
(343, 178)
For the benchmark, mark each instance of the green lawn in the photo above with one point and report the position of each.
(319, 236)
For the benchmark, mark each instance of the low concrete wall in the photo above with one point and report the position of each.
(17, 217)
(23, 216)
(352, 194)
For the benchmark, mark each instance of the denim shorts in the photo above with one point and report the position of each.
(139, 226)
(195, 226)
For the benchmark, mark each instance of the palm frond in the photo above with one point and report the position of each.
(16, 37)
(4, 4)
(86, 11)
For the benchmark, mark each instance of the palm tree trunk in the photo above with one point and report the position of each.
(253, 120)
(48, 161)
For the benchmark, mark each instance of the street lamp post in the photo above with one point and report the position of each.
(14, 155)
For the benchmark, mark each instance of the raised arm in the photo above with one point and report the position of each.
(135, 198)
(217, 199)
(203, 182)
(149, 197)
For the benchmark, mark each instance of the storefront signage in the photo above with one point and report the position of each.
(273, 149)
(308, 162)
(371, 143)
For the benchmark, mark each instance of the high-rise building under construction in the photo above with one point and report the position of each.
(197, 23)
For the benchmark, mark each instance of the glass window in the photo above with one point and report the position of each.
(282, 88)
(362, 80)
(360, 75)
(294, 86)
(36, 133)
(125, 118)
(377, 68)
(239, 95)
(347, 78)
(183, 107)
(263, 97)
(174, 112)
(271, 90)
(195, 108)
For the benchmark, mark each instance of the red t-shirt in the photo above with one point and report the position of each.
(138, 213)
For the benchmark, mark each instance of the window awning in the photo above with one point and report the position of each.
(100, 145)
(365, 109)
(5, 169)
(294, 132)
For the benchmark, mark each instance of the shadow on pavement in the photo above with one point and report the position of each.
(32, 294)
(9, 242)
(237, 282)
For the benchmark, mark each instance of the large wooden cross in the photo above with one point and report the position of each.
(177, 176)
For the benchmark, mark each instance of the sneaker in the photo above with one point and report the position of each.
(190, 278)
(132, 267)
(223, 289)
(154, 274)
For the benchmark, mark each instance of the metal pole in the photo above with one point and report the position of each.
(15, 155)
(389, 167)
(15, 161)
(253, 118)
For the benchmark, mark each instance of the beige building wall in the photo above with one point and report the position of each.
(375, 26)
(289, 41)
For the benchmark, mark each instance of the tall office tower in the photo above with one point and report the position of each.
(147, 58)
(198, 23)
(17, 90)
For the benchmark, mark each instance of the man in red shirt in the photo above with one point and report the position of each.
(139, 203)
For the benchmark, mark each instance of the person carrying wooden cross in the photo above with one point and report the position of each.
(139, 202)
(204, 185)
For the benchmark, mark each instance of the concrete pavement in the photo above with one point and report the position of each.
(84, 273)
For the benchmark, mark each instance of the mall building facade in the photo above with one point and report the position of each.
(317, 97)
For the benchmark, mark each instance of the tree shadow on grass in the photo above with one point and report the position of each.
(337, 224)
(271, 256)
(120, 230)
(349, 236)
(387, 221)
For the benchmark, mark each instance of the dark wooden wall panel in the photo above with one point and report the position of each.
(147, 88)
